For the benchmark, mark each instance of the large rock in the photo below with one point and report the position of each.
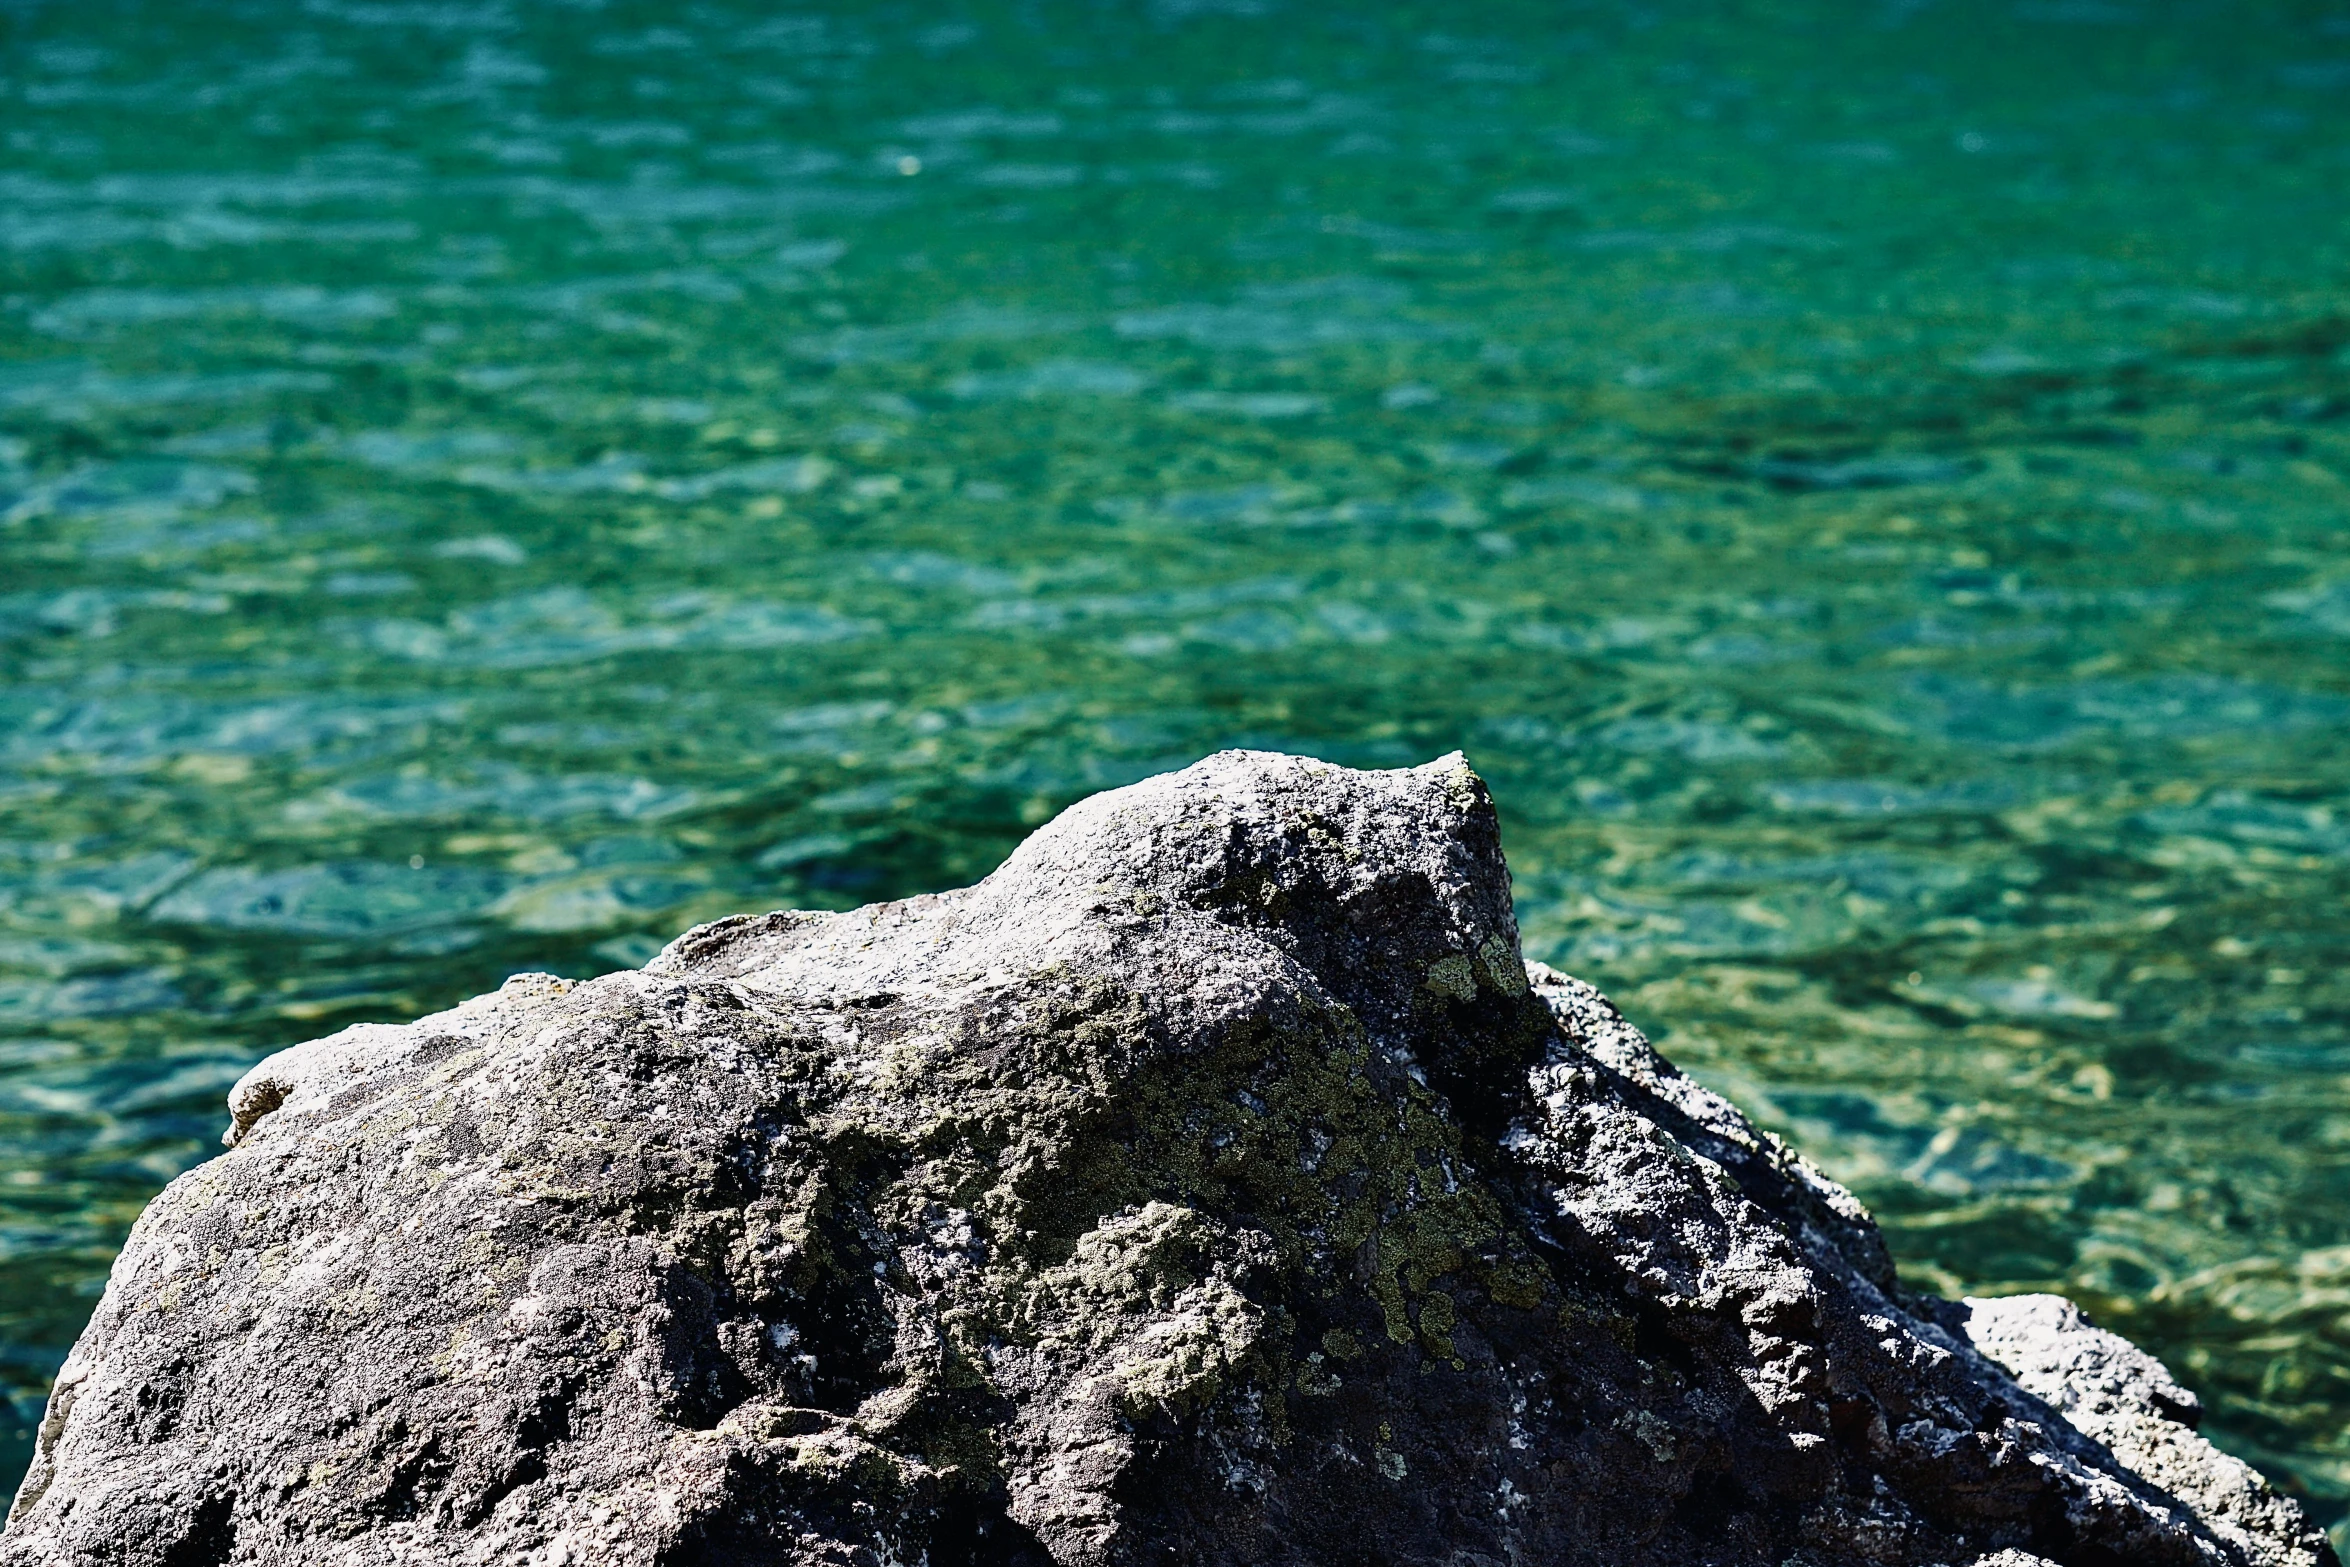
(1212, 1184)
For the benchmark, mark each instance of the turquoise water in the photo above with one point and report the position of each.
(483, 486)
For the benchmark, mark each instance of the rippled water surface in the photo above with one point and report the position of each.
(486, 485)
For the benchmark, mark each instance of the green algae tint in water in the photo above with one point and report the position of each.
(487, 485)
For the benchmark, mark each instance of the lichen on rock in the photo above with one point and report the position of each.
(1211, 1184)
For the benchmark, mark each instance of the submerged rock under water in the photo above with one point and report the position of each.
(1211, 1184)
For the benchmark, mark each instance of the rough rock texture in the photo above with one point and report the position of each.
(1210, 1185)
(2110, 1389)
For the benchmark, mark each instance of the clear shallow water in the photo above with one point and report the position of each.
(486, 486)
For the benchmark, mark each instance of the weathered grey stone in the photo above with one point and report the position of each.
(1212, 1184)
(2113, 1391)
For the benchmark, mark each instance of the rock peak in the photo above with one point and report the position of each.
(1213, 1183)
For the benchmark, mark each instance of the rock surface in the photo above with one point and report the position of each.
(1212, 1184)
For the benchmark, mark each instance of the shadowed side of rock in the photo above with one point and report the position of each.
(1211, 1184)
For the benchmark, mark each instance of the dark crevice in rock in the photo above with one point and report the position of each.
(208, 1537)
